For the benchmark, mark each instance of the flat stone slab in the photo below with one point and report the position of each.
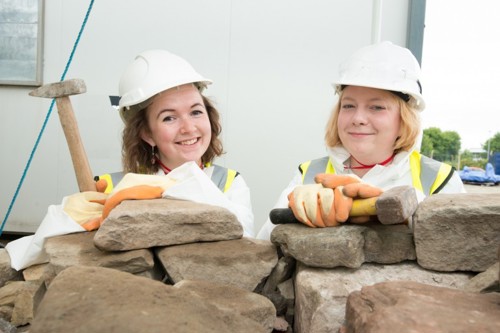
(141, 224)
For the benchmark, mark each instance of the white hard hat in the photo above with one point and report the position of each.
(383, 66)
(151, 72)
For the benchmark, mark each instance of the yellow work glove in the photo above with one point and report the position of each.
(85, 206)
(354, 188)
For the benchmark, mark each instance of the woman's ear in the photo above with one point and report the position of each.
(146, 136)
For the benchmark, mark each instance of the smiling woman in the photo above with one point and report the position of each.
(373, 140)
(169, 122)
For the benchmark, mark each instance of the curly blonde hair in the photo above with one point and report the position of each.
(136, 153)
(410, 125)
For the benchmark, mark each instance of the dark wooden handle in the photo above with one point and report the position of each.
(282, 216)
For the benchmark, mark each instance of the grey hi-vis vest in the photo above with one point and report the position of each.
(428, 175)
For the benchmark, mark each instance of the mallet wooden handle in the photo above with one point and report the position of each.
(81, 164)
(61, 92)
(360, 207)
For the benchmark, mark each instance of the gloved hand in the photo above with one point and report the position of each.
(317, 206)
(354, 188)
(138, 192)
(311, 204)
(85, 206)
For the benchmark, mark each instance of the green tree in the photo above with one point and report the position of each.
(494, 144)
(427, 147)
(444, 146)
(471, 160)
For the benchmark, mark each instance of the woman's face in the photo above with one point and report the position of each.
(179, 126)
(369, 123)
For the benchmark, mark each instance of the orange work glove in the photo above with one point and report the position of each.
(354, 188)
(138, 192)
(317, 206)
(311, 204)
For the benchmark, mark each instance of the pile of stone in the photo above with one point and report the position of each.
(175, 266)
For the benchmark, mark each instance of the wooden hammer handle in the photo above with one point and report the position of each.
(81, 164)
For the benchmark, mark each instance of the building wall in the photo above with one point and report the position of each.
(272, 63)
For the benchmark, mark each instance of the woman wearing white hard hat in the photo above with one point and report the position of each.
(168, 122)
(373, 139)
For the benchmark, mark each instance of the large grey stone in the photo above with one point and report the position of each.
(7, 273)
(321, 247)
(84, 299)
(321, 294)
(405, 306)
(142, 224)
(243, 263)
(458, 232)
(230, 298)
(79, 249)
(347, 245)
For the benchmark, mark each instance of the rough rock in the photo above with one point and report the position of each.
(321, 294)
(345, 246)
(229, 298)
(458, 232)
(143, 224)
(7, 273)
(406, 306)
(244, 263)
(94, 300)
(79, 249)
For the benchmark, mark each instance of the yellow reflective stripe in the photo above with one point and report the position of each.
(109, 181)
(304, 167)
(415, 171)
(444, 171)
(220, 172)
(329, 168)
(231, 174)
(320, 165)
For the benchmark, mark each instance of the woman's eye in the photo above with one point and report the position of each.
(168, 119)
(347, 106)
(197, 112)
(377, 107)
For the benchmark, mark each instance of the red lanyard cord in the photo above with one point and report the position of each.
(369, 166)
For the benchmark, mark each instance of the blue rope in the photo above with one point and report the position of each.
(46, 120)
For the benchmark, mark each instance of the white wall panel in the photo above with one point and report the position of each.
(271, 62)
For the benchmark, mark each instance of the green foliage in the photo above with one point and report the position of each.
(442, 146)
(494, 144)
(467, 158)
(427, 147)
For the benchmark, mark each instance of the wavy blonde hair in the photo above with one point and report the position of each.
(137, 154)
(410, 125)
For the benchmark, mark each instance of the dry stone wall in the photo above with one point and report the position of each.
(159, 266)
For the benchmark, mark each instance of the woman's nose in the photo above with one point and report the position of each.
(359, 117)
(187, 125)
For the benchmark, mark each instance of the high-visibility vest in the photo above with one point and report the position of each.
(222, 178)
(428, 175)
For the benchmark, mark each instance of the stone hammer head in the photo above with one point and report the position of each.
(60, 89)
(396, 205)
